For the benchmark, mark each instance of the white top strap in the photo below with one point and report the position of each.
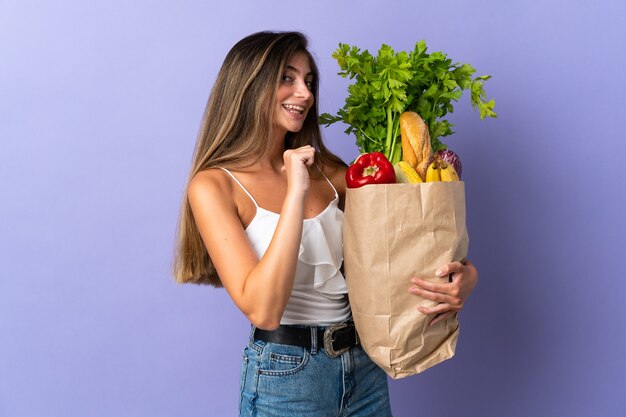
(242, 187)
(331, 184)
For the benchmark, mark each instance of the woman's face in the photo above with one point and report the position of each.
(294, 97)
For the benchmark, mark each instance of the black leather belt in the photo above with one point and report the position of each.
(335, 339)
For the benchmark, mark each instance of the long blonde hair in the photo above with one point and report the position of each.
(235, 129)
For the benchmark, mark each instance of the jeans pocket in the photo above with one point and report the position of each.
(281, 359)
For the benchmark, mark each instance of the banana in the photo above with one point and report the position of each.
(405, 173)
(433, 173)
(448, 173)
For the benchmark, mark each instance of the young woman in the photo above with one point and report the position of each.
(262, 218)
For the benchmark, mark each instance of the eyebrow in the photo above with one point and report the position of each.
(296, 70)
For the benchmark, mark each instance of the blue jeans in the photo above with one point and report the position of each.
(283, 381)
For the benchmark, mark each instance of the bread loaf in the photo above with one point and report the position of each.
(416, 149)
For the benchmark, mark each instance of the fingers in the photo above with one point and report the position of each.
(439, 312)
(295, 166)
(451, 268)
(440, 317)
(462, 278)
(443, 288)
(304, 154)
(436, 309)
(295, 159)
(440, 293)
(449, 296)
(309, 152)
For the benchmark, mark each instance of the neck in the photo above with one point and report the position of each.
(277, 149)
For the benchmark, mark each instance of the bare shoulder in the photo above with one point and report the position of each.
(210, 187)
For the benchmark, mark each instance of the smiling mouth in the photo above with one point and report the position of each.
(292, 108)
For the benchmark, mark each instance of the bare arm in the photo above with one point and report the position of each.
(260, 288)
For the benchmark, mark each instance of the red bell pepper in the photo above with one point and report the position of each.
(370, 168)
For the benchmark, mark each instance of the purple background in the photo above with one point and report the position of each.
(100, 103)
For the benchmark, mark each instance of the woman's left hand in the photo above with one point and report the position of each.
(451, 296)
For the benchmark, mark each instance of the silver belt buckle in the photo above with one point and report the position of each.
(328, 340)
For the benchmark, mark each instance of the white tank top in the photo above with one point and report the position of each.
(319, 294)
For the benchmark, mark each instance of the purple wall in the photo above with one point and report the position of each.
(99, 108)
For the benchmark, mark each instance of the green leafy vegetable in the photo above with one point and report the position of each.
(390, 83)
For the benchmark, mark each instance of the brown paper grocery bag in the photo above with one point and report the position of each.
(393, 232)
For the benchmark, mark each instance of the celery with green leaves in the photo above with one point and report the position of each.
(390, 83)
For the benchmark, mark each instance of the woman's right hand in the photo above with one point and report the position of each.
(296, 166)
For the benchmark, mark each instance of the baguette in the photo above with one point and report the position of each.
(416, 149)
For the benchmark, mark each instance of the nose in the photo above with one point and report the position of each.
(302, 90)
